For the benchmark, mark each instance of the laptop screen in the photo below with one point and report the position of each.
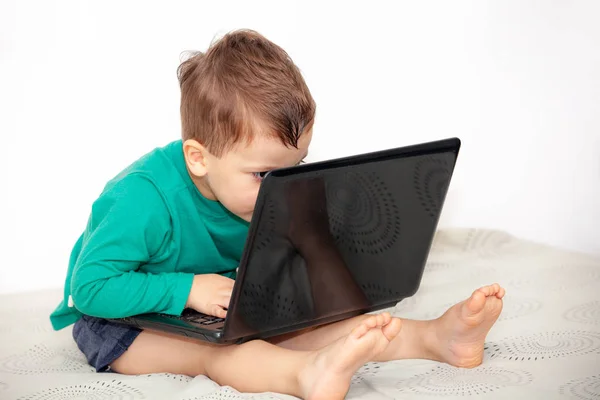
(339, 238)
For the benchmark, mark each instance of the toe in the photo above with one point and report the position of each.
(386, 318)
(392, 329)
(360, 331)
(476, 302)
(371, 322)
(501, 293)
(487, 290)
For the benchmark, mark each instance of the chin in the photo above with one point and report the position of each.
(245, 216)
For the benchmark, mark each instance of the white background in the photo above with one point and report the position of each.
(86, 87)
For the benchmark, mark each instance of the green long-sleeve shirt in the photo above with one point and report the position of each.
(149, 233)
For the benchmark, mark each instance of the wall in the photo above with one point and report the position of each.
(86, 87)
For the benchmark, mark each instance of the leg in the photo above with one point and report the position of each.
(409, 344)
(456, 338)
(323, 374)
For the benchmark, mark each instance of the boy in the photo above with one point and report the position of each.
(167, 233)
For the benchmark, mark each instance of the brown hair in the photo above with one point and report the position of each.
(241, 83)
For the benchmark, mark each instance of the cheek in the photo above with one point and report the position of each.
(246, 196)
(251, 199)
(241, 195)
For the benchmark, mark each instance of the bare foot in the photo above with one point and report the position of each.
(328, 375)
(460, 333)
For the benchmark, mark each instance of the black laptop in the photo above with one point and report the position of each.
(327, 241)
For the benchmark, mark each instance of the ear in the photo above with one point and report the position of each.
(196, 157)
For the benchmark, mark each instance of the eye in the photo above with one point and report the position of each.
(260, 175)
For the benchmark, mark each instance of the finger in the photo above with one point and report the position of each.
(227, 280)
(224, 301)
(225, 291)
(218, 311)
(226, 285)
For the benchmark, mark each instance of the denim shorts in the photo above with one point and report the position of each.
(102, 342)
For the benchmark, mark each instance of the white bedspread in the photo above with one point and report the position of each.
(546, 343)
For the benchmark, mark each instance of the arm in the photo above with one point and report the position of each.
(129, 224)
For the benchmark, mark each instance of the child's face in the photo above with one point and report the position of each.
(234, 178)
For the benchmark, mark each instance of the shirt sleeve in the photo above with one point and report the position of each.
(129, 225)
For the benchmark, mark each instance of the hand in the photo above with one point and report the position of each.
(210, 294)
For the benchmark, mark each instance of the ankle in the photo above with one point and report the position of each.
(430, 342)
(305, 373)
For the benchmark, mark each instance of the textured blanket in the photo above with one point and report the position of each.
(546, 343)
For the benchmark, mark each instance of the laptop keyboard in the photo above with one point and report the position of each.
(196, 317)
